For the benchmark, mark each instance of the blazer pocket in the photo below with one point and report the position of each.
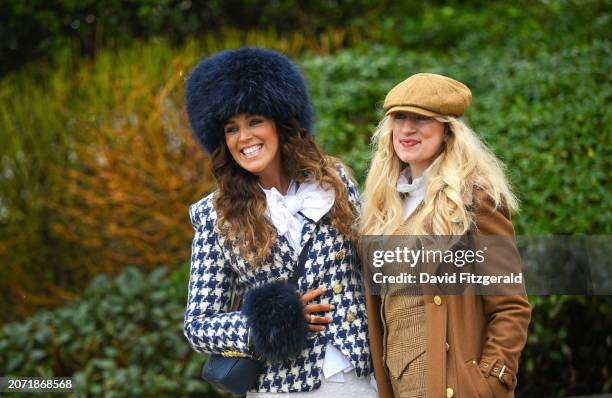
(398, 364)
(478, 380)
(405, 343)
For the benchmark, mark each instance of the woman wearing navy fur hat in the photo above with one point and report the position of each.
(277, 193)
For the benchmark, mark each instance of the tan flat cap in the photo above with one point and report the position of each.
(430, 95)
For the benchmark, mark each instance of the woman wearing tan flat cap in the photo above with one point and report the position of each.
(432, 176)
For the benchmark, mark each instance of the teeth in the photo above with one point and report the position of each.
(252, 149)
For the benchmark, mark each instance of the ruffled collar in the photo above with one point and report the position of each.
(309, 200)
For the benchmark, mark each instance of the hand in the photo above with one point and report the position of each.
(313, 320)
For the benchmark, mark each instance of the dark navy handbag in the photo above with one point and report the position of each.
(233, 371)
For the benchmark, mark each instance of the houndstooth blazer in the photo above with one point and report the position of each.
(331, 262)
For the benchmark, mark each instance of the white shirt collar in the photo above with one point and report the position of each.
(414, 187)
(309, 199)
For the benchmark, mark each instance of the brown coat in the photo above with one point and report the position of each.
(468, 336)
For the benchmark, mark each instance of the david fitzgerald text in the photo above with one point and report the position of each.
(424, 278)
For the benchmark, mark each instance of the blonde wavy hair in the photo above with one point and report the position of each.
(464, 165)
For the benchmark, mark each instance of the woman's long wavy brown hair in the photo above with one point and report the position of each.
(241, 203)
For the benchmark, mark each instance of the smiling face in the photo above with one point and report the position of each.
(417, 140)
(253, 142)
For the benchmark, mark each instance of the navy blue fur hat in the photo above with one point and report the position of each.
(249, 80)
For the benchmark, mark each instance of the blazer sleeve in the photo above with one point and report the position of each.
(208, 326)
(351, 186)
(508, 315)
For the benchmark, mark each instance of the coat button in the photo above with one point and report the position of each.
(340, 255)
(447, 346)
(438, 300)
(350, 316)
(337, 288)
(450, 393)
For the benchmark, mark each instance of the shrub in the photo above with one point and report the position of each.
(124, 337)
(545, 116)
(95, 159)
(98, 165)
(569, 336)
(539, 75)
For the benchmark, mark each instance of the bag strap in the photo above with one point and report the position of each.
(299, 270)
(236, 299)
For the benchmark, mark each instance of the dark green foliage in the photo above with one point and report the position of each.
(540, 75)
(124, 337)
(569, 336)
(40, 29)
(546, 115)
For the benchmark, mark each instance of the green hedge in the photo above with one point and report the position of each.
(569, 347)
(123, 338)
(541, 92)
(540, 78)
(546, 115)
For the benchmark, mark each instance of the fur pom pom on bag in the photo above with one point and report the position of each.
(275, 316)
